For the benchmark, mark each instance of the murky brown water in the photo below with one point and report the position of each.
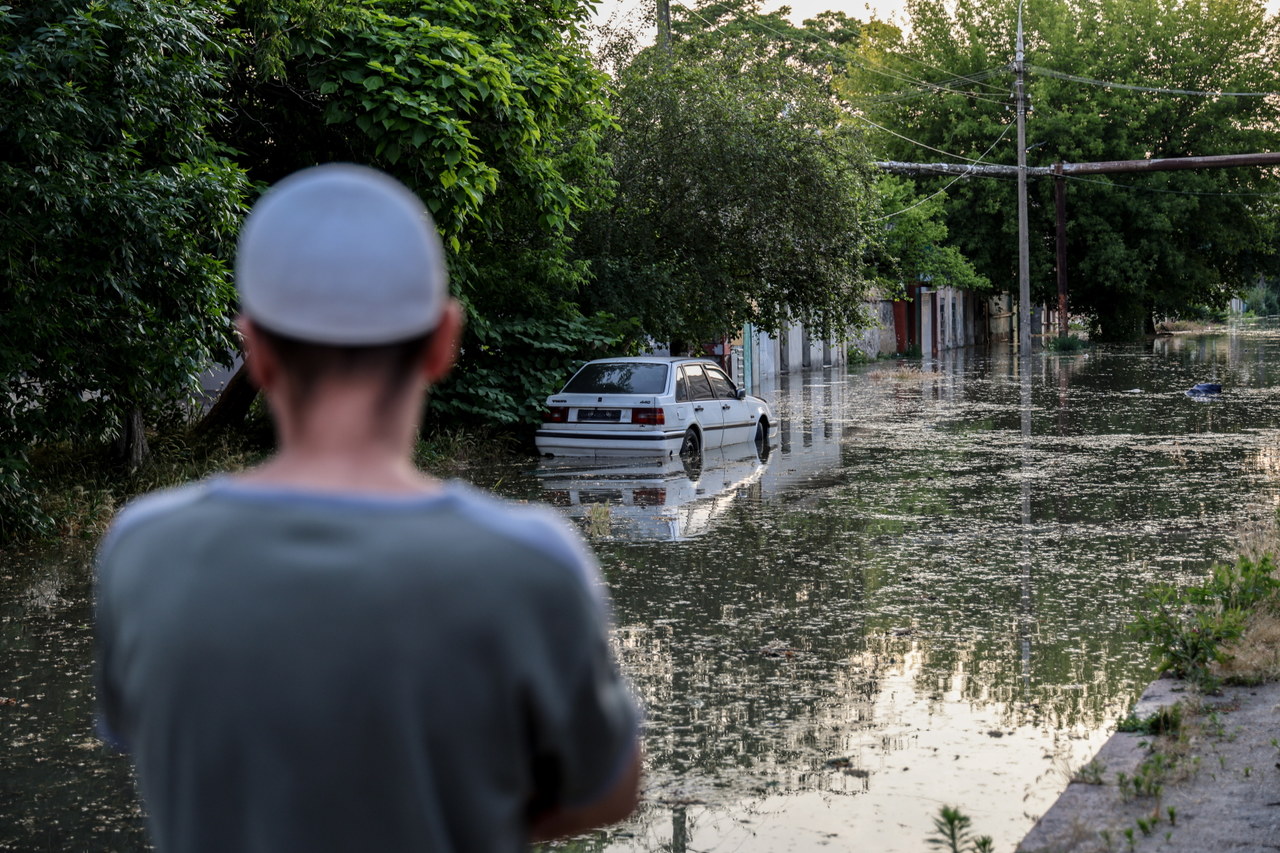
(919, 599)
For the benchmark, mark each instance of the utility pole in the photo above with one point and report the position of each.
(1024, 249)
(664, 24)
(1060, 211)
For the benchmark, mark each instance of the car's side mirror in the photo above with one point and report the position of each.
(740, 394)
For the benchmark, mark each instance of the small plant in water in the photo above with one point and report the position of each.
(1071, 343)
(951, 831)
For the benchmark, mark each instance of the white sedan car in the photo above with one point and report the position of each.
(651, 406)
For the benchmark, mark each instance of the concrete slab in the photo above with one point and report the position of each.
(1224, 788)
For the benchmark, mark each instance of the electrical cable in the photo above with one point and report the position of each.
(916, 142)
(978, 77)
(951, 183)
(1074, 78)
(924, 86)
(968, 173)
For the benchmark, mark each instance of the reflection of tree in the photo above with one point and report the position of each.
(762, 647)
(759, 650)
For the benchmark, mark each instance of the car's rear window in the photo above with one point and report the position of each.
(619, 377)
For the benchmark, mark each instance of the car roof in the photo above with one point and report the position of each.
(653, 359)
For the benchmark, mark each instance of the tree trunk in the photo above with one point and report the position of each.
(131, 445)
(232, 406)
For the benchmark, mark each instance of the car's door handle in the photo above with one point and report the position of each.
(697, 408)
(725, 406)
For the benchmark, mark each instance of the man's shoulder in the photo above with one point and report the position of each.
(534, 526)
(151, 508)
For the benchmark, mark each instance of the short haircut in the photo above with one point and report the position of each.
(392, 366)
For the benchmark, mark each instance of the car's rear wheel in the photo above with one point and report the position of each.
(762, 438)
(691, 453)
(691, 447)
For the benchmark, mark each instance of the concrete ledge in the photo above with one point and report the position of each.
(1225, 790)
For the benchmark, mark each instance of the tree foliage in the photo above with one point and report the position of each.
(740, 189)
(1140, 245)
(914, 244)
(118, 209)
(492, 112)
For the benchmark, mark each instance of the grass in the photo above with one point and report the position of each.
(1093, 773)
(1069, 344)
(80, 489)
(900, 373)
(1172, 326)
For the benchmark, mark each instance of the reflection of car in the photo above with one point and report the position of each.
(661, 499)
(643, 406)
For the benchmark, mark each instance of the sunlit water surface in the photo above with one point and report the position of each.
(919, 598)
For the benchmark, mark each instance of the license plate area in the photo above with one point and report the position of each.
(608, 416)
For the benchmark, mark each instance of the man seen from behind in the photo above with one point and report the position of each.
(333, 651)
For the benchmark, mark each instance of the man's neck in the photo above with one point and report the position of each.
(344, 441)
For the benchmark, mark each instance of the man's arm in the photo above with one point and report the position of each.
(616, 804)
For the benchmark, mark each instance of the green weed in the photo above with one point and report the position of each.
(1190, 628)
(951, 831)
(1090, 774)
(1071, 343)
(1166, 721)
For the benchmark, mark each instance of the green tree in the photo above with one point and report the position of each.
(913, 246)
(1141, 245)
(118, 208)
(492, 113)
(740, 188)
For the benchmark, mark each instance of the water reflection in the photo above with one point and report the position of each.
(665, 500)
(927, 601)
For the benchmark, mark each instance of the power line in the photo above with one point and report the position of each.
(1049, 72)
(960, 177)
(924, 86)
(978, 77)
(917, 142)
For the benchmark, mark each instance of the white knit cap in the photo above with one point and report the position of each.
(341, 255)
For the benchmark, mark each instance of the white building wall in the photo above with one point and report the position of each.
(927, 322)
(795, 347)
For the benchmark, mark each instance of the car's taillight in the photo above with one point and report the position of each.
(557, 415)
(654, 417)
(558, 497)
(649, 497)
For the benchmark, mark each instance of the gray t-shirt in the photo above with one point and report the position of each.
(295, 671)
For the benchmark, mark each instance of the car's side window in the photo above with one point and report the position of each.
(682, 387)
(699, 386)
(722, 384)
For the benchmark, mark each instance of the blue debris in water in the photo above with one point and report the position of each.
(1205, 389)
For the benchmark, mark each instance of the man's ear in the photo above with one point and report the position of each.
(261, 362)
(442, 349)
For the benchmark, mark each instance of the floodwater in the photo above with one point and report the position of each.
(919, 598)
